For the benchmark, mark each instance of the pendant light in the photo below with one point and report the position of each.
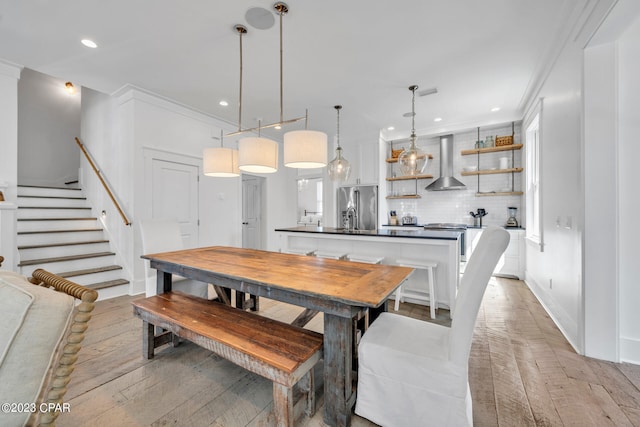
(339, 168)
(221, 162)
(413, 160)
(258, 155)
(303, 149)
(255, 155)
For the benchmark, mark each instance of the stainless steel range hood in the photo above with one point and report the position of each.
(446, 180)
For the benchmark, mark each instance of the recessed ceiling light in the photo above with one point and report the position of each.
(494, 109)
(390, 128)
(223, 103)
(437, 119)
(89, 43)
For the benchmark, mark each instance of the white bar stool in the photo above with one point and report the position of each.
(429, 266)
(331, 255)
(294, 251)
(365, 258)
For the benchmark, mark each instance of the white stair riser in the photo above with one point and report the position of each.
(78, 264)
(59, 251)
(48, 192)
(112, 292)
(64, 237)
(57, 225)
(51, 202)
(103, 276)
(54, 213)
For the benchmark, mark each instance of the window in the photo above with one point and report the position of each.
(309, 209)
(533, 188)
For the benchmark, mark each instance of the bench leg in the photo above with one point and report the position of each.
(148, 340)
(307, 385)
(252, 304)
(283, 405)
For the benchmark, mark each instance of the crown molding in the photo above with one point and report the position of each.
(10, 69)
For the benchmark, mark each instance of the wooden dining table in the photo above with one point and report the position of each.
(341, 290)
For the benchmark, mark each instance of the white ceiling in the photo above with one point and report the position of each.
(362, 54)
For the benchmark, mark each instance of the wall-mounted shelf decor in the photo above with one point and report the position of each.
(502, 169)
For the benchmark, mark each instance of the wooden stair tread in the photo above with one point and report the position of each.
(54, 207)
(58, 219)
(60, 231)
(64, 258)
(51, 197)
(107, 284)
(89, 271)
(53, 245)
(48, 187)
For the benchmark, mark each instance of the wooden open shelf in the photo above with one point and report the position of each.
(491, 149)
(491, 171)
(409, 177)
(395, 159)
(500, 193)
(406, 196)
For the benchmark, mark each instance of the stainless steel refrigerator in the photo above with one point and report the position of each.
(358, 207)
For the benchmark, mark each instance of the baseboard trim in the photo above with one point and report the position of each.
(630, 350)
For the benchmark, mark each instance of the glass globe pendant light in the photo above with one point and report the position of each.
(339, 168)
(413, 160)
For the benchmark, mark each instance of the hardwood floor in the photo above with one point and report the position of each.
(522, 372)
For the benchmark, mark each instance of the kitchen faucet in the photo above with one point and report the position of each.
(351, 218)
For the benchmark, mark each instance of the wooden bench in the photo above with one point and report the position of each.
(283, 353)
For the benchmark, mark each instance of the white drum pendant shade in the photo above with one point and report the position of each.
(305, 149)
(258, 155)
(221, 162)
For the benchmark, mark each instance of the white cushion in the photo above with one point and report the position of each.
(35, 321)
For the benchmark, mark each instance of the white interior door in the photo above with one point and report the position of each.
(175, 195)
(251, 212)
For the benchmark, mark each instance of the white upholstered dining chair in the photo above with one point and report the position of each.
(163, 235)
(415, 373)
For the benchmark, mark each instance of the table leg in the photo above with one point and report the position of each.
(338, 386)
(375, 312)
(163, 282)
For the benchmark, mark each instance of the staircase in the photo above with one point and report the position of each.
(56, 232)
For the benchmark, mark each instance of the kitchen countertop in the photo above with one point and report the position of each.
(411, 233)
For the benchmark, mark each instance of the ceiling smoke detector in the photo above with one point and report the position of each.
(260, 18)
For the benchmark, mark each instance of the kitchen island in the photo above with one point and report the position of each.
(441, 246)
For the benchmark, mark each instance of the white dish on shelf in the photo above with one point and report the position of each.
(470, 168)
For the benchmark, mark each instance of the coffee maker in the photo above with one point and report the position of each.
(512, 221)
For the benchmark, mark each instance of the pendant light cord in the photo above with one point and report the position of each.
(282, 9)
(413, 110)
(338, 108)
(241, 30)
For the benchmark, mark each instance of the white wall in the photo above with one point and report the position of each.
(629, 203)
(124, 130)
(555, 275)
(601, 229)
(9, 76)
(589, 127)
(48, 122)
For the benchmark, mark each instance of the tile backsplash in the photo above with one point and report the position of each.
(455, 205)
